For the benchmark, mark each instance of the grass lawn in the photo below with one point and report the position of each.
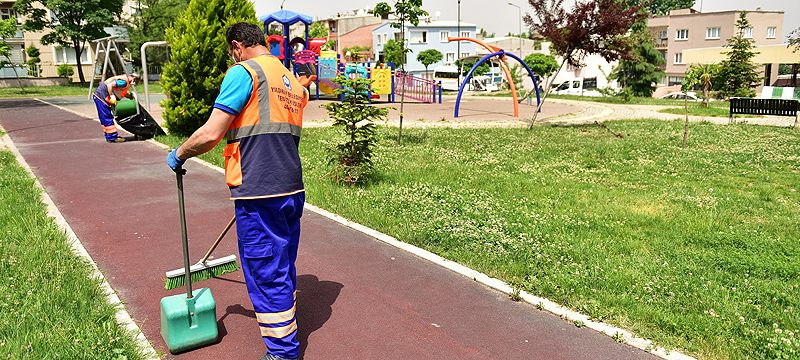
(49, 308)
(714, 109)
(694, 248)
(67, 90)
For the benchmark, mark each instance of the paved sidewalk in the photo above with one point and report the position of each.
(358, 298)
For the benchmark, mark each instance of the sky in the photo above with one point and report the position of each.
(501, 19)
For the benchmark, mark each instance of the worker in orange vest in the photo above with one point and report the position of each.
(105, 99)
(259, 111)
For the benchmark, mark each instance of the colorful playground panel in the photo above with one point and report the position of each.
(381, 80)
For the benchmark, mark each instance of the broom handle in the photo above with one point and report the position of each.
(184, 237)
(219, 239)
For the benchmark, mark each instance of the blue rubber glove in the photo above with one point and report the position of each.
(173, 161)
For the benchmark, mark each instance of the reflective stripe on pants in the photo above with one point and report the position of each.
(106, 119)
(269, 232)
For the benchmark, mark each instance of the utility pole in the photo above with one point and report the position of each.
(520, 28)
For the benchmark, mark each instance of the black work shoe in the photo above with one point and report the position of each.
(269, 356)
(117, 140)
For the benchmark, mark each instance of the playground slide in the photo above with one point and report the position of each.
(327, 86)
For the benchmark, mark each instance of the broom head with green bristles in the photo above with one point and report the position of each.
(201, 271)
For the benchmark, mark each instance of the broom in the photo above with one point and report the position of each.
(204, 269)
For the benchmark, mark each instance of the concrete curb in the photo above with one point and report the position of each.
(567, 314)
(122, 316)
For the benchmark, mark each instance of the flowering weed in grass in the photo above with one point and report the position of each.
(49, 307)
(695, 248)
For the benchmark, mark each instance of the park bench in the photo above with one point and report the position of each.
(774, 107)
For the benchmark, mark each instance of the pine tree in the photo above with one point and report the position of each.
(640, 73)
(199, 60)
(738, 73)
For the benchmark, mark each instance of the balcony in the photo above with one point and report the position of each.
(662, 44)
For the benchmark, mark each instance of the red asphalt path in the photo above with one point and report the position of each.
(358, 298)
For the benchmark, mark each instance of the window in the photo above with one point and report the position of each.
(385, 38)
(7, 13)
(663, 35)
(66, 55)
(675, 80)
(771, 32)
(397, 37)
(747, 33)
(380, 39)
(590, 83)
(682, 34)
(678, 58)
(712, 33)
(450, 57)
(443, 36)
(465, 34)
(464, 54)
(419, 37)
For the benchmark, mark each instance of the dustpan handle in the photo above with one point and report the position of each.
(184, 237)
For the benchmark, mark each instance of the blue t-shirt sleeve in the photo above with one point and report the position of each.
(237, 86)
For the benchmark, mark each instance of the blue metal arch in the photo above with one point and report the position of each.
(500, 53)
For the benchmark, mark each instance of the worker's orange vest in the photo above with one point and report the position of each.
(261, 155)
(118, 92)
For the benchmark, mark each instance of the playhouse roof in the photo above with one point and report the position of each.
(286, 17)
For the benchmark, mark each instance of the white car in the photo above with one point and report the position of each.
(692, 96)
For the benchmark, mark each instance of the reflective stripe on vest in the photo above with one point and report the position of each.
(263, 125)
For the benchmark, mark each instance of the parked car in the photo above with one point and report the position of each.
(692, 96)
(578, 86)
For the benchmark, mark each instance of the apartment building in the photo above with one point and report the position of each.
(429, 34)
(51, 56)
(688, 29)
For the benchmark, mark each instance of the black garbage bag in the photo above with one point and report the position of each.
(142, 125)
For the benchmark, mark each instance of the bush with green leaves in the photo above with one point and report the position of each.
(65, 70)
(352, 158)
(33, 60)
(198, 60)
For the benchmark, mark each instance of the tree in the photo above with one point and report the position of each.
(465, 65)
(198, 60)
(591, 27)
(737, 72)
(662, 7)
(701, 76)
(318, 30)
(33, 60)
(352, 158)
(76, 21)
(484, 34)
(542, 65)
(794, 39)
(393, 53)
(429, 57)
(8, 28)
(150, 24)
(639, 73)
(405, 12)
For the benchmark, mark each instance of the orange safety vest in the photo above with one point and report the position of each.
(261, 154)
(118, 92)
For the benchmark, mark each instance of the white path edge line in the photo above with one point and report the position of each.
(565, 313)
(121, 315)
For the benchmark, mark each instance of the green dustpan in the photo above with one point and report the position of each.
(188, 321)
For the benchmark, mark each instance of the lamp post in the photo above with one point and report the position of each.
(519, 9)
(282, 4)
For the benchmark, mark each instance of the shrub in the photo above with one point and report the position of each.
(65, 70)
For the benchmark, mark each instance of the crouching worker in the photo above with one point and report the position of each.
(259, 111)
(106, 96)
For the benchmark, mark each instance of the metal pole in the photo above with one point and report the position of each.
(519, 9)
(143, 53)
(458, 27)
